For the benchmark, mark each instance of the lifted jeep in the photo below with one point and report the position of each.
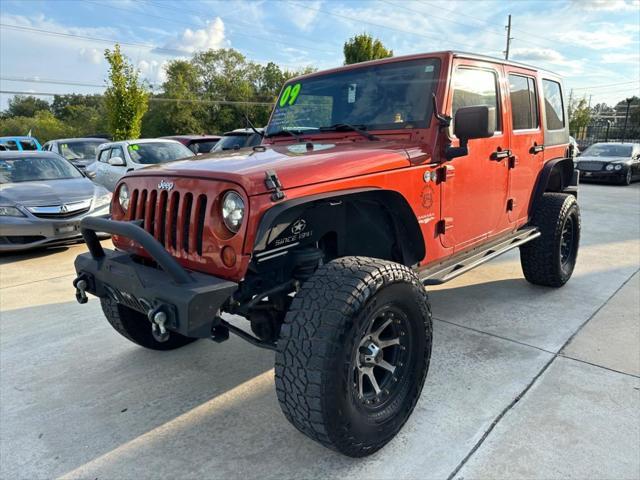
(372, 181)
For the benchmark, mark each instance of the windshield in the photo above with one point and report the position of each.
(80, 149)
(608, 150)
(233, 142)
(202, 146)
(160, 152)
(390, 96)
(33, 169)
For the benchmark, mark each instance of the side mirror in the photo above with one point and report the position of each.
(116, 162)
(470, 123)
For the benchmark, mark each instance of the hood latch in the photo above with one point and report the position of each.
(273, 184)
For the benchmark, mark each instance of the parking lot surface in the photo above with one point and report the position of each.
(525, 381)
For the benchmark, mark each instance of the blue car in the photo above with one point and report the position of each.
(21, 144)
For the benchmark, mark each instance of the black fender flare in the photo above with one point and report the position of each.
(557, 175)
(405, 224)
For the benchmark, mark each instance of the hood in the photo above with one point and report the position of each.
(588, 158)
(50, 192)
(294, 164)
(82, 162)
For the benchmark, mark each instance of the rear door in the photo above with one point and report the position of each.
(474, 188)
(115, 172)
(526, 141)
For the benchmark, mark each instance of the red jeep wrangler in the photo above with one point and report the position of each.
(373, 180)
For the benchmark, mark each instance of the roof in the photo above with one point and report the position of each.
(27, 153)
(84, 139)
(17, 137)
(193, 137)
(139, 141)
(246, 131)
(417, 56)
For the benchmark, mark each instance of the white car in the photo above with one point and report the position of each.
(114, 159)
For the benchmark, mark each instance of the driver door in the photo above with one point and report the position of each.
(115, 172)
(475, 187)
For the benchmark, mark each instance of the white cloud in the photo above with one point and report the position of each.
(90, 55)
(153, 71)
(210, 37)
(608, 5)
(304, 15)
(608, 36)
(631, 58)
(537, 54)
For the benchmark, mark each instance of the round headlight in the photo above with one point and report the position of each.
(609, 167)
(618, 167)
(123, 196)
(232, 210)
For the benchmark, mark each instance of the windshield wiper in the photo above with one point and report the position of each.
(354, 128)
(286, 131)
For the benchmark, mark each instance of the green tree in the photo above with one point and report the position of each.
(25, 106)
(364, 47)
(43, 125)
(579, 116)
(126, 98)
(185, 114)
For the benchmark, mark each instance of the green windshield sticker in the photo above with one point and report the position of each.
(290, 95)
(133, 147)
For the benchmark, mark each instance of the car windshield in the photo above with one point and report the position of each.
(608, 150)
(80, 149)
(202, 146)
(158, 152)
(34, 169)
(390, 96)
(232, 142)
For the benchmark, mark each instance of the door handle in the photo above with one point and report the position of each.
(500, 155)
(536, 148)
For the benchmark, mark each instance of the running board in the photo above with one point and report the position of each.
(462, 263)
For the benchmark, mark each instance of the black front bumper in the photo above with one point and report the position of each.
(190, 300)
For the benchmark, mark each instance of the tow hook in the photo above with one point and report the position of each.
(158, 319)
(81, 289)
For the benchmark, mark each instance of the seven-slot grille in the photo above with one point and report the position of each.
(590, 166)
(175, 219)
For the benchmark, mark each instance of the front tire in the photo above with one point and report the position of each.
(135, 327)
(628, 178)
(354, 353)
(550, 259)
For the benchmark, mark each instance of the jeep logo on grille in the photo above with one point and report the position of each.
(164, 185)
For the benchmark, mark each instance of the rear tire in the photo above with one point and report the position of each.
(356, 323)
(135, 326)
(550, 259)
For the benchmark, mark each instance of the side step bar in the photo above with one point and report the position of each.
(462, 263)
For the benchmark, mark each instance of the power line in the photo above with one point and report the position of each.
(361, 21)
(151, 99)
(606, 85)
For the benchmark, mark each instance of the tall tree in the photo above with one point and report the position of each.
(579, 116)
(126, 98)
(21, 106)
(364, 47)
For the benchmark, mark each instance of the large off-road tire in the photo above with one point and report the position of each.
(354, 353)
(136, 327)
(550, 259)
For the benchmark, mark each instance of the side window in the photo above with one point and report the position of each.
(104, 155)
(553, 107)
(524, 102)
(117, 152)
(46, 147)
(28, 144)
(473, 87)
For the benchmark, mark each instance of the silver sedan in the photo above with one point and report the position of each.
(42, 200)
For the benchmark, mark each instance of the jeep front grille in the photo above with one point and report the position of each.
(590, 166)
(176, 219)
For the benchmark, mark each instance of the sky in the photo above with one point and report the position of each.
(57, 46)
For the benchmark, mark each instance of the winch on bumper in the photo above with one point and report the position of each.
(172, 298)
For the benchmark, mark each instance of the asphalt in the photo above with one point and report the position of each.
(525, 381)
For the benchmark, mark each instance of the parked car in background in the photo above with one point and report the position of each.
(617, 162)
(3, 148)
(197, 143)
(240, 138)
(21, 143)
(79, 151)
(42, 200)
(574, 150)
(114, 159)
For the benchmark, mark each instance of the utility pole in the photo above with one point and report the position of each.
(509, 38)
(626, 118)
(590, 101)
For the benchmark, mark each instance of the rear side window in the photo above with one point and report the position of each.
(553, 108)
(104, 156)
(28, 144)
(524, 102)
(473, 87)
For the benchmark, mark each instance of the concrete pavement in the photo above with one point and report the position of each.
(525, 382)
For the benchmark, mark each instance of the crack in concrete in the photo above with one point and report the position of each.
(557, 354)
